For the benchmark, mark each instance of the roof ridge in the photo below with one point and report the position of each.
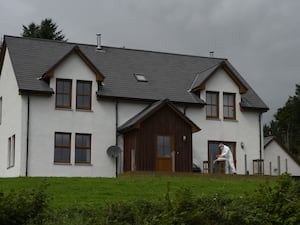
(113, 47)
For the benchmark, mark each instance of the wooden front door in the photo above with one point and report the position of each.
(164, 152)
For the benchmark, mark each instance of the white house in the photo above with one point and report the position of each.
(62, 105)
(278, 160)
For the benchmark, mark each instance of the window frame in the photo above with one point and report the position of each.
(89, 107)
(87, 148)
(11, 151)
(211, 105)
(57, 93)
(68, 147)
(228, 107)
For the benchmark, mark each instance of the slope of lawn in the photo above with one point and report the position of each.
(73, 192)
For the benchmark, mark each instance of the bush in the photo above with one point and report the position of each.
(271, 205)
(17, 208)
(280, 204)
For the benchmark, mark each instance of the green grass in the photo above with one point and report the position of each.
(77, 192)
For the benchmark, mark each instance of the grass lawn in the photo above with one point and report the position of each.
(73, 192)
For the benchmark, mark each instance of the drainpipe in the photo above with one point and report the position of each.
(117, 120)
(260, 143)
(184, 110)
(117, 124)
(27, 135)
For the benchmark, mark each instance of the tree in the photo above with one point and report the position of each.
(31, 31)
(46, 30)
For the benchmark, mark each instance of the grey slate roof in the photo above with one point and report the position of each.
(169, 75)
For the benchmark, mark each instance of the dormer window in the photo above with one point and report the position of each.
(63, 93)
(229, 111)
(212, 105)
(140, 77)
(84, 95)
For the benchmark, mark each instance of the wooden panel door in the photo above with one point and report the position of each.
(164, 149)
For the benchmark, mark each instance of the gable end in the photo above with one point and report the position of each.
(242, 88)
(99, 76)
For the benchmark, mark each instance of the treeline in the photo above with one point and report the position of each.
(286, 125)
(270, 205)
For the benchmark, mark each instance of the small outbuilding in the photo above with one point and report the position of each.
(278, 160)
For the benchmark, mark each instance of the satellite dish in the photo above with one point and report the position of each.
(114, 151)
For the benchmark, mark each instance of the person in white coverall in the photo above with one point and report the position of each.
(227, 155)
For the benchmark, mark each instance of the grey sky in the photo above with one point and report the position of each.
(261, 38)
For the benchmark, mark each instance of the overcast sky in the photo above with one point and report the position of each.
(261, 38)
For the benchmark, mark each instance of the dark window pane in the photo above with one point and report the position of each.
(212, 108)
(66, 87)
(82, 155)
(229, 106)
(63, 93)
(59, 86)
(83, 140)
(163, 146)
(83, 148)
(62, 147)
(61, 155)
(83, 95)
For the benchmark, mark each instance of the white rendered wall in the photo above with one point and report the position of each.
(244, 129)
(11, 123)
(45, 120)
(287, 164)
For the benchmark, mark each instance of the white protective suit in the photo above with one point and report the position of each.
(227, 155)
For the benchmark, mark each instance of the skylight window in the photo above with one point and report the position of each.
(140, 77)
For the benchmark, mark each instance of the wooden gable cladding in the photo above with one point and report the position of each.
(76, 50)
(140, 144)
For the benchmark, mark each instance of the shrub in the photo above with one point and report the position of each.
(22, 206)
(280, 204)
(277, 204)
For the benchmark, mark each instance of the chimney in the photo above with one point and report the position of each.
(99, 42)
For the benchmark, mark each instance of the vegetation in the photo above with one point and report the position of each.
(273, 202)
(78, 192)
(46, 30)
(286, 126)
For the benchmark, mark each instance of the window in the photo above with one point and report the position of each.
(212, 105)
(62, 147)
(229, 106)
(0, 110)
(84, 95)
(140, 77)
(63, 93)
(163, 146)
(83, 148)
(11, 151)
